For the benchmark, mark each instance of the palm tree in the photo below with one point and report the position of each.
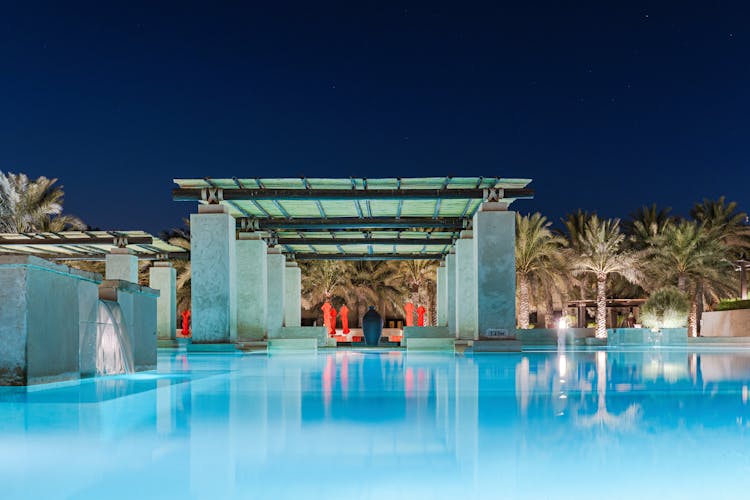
(371, 283)
(33, 205)
(419, 277)
(599, 252)
(645, 225)
(323, 278)
(537, 257)
(575, 225)
(728, 225)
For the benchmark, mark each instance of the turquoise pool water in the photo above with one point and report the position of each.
(379, 424)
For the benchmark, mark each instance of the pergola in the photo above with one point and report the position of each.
(88, 245)
(249, 233)
(356, 218)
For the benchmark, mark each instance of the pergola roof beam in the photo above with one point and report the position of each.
(374, 241)
(74, 241)
(356, 223)
(376, 256)
(275, 195)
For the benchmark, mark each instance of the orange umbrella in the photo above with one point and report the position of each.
(326, 314)
(409, 310)
(332, 324)
(344, 314)
(420, 315)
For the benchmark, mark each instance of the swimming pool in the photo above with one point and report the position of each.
(389, 424)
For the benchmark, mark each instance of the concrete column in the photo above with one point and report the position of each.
(450, 266)
(466, 287)
(275, 315)
(495, 252)
(252, 286)
(213, 280)
(442, 295)
(121, 264)
(162, 277)
(292, 295)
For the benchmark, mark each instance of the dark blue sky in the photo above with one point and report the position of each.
(605, 107)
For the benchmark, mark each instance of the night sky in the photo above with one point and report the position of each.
(605, 107)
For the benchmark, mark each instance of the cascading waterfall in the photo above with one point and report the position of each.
(114, 353)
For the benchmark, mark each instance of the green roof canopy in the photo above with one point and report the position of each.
(355, 218)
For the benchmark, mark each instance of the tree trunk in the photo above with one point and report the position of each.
(523, 299)
(601, 306)
(693, 315)
(681, 282)
(549, 312)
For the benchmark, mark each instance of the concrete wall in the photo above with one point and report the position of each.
(466, 288)
(292, 295)
(442, 295)
(252, 287)
(302, 332)
(734, 323)
(644, 336)
(495, 257)
(450, 278)
(213, 282)
(550, 336)
(426, 332)
(40, 319)
(162, 277)
(275, 314)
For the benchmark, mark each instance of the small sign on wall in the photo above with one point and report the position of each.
(496, 333)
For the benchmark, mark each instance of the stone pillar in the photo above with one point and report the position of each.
(495, 253)
(162, 277)
(743, 280)
(442, 295)
(292, 295)
(275, 315)
(450, 266)
(121, 264)
(466, 287)
(252, 286)
(213, 281)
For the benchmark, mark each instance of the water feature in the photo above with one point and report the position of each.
(114, 353)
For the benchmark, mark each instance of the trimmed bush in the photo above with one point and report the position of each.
(732, 304)
(665, 308)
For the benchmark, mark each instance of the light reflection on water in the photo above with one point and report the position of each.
(351, 424)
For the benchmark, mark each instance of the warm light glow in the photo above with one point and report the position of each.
(562, 322)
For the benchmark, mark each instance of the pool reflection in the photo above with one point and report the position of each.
(367, 423)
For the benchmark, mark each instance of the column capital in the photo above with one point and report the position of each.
(245, 235)
(121, 251)
(493, 206)
(212, 209)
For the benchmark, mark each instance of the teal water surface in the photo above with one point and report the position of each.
(389, 424)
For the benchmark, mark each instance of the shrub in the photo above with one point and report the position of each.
(665, 308)
(731, 304)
